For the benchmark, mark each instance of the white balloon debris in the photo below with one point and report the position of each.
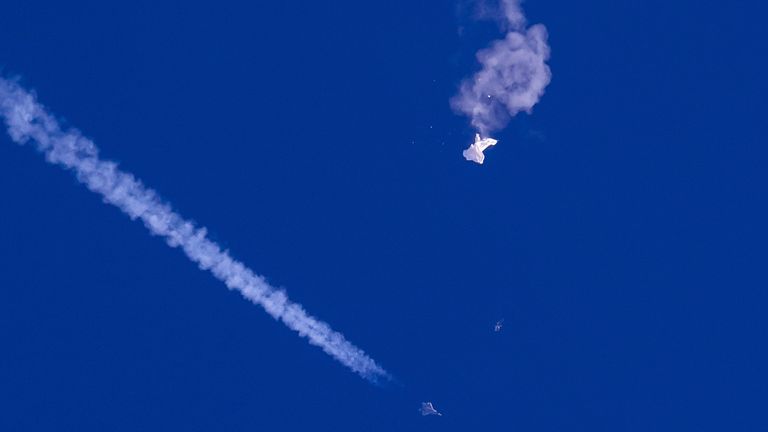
(475, 151)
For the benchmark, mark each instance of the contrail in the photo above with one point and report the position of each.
(513, 76)
(28, 121)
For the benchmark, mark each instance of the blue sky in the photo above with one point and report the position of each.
(618, 229)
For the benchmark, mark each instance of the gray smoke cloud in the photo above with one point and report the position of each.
(28, 121)
(513, 76)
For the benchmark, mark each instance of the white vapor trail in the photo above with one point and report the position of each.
(513, 76)
(28, 121)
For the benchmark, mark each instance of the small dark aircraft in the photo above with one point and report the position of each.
(499, 325)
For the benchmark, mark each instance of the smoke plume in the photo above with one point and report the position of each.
(513, 76)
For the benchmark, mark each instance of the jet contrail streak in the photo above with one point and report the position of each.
(28, 121)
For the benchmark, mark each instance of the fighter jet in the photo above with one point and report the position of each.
(499, 324)
(428, 409)
(475, 151)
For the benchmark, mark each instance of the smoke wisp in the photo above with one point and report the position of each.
(512, 77)
(28, 121)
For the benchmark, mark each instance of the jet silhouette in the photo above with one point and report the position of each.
(428, 409)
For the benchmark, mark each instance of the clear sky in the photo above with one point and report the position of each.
(618, 229)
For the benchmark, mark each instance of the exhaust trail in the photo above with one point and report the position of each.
(29, 122)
